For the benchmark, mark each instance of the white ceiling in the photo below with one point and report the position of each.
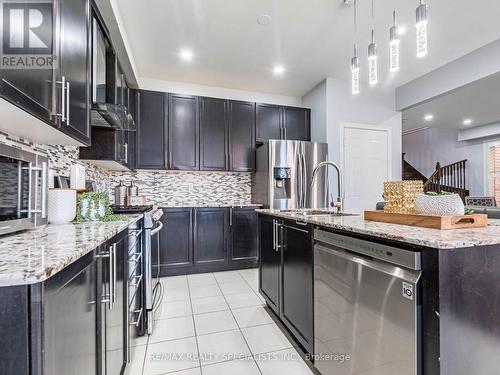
(312, 38)
(478, 101)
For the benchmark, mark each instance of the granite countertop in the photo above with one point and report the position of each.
(34, 256)
(439, 239)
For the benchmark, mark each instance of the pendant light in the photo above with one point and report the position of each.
(372, 57)
(355, 58)
(421, 26)
(394, 45)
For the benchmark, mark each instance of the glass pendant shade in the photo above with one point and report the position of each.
(355, 73)
(394, 46)
(421, 26)
(372, 62)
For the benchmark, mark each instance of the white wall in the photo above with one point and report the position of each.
(217, 92)
(424, 148)
(337, 105)
(316, 100)
(476, 65)
(373, 107)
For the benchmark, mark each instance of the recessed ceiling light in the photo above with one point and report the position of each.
(429, 117)
(278, 70)
(402, 30)
(264, 20)
(467, 121)
(186, 54)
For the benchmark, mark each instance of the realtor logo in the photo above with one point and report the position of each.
(27, 35)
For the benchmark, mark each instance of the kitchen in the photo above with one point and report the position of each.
(220, 189)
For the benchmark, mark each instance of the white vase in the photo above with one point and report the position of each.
(439, 205)
(77, 177)
(61, 206)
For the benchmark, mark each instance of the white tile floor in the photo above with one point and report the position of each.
(215, 324)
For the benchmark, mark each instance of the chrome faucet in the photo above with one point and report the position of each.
(339, 204)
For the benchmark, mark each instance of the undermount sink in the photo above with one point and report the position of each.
(308, 212)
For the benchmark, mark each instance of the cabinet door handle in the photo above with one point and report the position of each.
(274, 235)
(170, 160)
(67, 103)
(279, 229)
(62, 115)
(111, 278)
(114, 274)
(107, 296)
(284, 132)
(231, 217)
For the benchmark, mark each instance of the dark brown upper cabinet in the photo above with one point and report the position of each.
(151, 117)
(297, 123)
(213, 134)
(132, 136)
(74, 69)
(191, 133)
(59, 94)
(109, 149)
(33, 90)
(241, 130)
(183, 132)
(269, 122)
(278, 122)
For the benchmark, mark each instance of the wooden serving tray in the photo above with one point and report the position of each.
(433, 222)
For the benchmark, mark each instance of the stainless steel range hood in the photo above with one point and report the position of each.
(112, 116)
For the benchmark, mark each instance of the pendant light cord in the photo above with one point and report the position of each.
(355, 21)
(373, 15)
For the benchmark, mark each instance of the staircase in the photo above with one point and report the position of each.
(449, 178)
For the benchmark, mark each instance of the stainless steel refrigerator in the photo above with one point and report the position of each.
(282, 179)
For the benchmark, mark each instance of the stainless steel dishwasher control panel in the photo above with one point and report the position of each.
(401, 257)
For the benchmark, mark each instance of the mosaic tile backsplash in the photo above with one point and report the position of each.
(165, 188)
(169, 188)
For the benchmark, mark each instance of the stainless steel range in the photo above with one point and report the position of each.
(153, 288)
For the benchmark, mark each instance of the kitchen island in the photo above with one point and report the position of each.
(63, 289)
(456, 296)
(33, 256)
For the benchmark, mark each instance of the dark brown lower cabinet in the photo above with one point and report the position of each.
(70, 320)
(112, 296)
(243, 236)
(195, 240)
(74, 323)
(297, 305)
(175, 241)
(50, 327)
(286, 275)
(210, 232)
(270, 263)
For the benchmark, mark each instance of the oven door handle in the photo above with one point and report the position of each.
(158, 228)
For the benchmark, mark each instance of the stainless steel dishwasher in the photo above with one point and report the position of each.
(367, 308)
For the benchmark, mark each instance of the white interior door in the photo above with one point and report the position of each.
(366, 157)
